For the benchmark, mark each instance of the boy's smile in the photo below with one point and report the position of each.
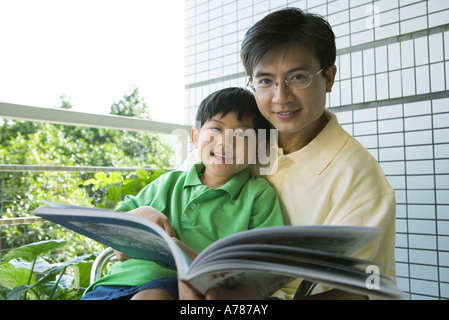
(223, 146)
(222, 157)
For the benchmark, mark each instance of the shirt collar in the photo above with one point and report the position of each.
(193, 175)
(232, 187)
(322, 150)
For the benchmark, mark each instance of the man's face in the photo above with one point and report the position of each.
(293, 111)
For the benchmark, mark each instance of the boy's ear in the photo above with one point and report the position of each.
(195, 137)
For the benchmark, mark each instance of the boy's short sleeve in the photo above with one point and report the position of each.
(141, 199)
(266, 210)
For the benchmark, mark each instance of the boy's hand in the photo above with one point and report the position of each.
(154, 216)
(121, 256)
(187, 250)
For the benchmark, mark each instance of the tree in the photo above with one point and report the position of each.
(139, 146)
(65, 102)
(58, 145)
(132, 105)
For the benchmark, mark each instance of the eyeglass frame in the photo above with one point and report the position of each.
(310, 76)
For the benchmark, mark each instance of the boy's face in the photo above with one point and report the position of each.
(224, 144)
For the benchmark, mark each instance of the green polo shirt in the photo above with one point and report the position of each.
(199, 215)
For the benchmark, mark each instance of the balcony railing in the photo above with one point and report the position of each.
(62, 176)
(83, 119)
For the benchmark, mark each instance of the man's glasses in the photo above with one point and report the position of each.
(298, 80)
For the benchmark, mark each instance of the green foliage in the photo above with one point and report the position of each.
(49, 144)
(118, 186)
(132, 105)
(25, 274)
(29, 143)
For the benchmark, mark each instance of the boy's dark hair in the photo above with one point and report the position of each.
(234, 99)
(288, 26)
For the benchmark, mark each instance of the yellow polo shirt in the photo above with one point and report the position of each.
(335, 181)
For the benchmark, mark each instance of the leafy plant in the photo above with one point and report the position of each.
(117, 186)
(52, 145)
(25, 274)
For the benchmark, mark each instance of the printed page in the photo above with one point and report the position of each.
(335, 239)
(130, 234)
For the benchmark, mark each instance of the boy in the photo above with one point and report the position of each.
(215, 198)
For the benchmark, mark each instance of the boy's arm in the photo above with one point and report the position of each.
(266, 210)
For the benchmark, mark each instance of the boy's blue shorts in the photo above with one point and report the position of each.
(126, 292)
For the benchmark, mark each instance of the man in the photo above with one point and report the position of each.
(322, 175)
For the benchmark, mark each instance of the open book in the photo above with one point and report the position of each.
(264, 258)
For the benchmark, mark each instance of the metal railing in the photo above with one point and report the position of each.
(18, 221)
(83, 119)
(20, 226)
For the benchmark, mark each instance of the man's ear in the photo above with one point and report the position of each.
(195, 137)
(330, 77)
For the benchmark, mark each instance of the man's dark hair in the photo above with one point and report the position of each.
(288, 26)
(234, 99)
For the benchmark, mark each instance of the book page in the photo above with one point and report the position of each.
(335, 239)
(135, 236)
(126, 236)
